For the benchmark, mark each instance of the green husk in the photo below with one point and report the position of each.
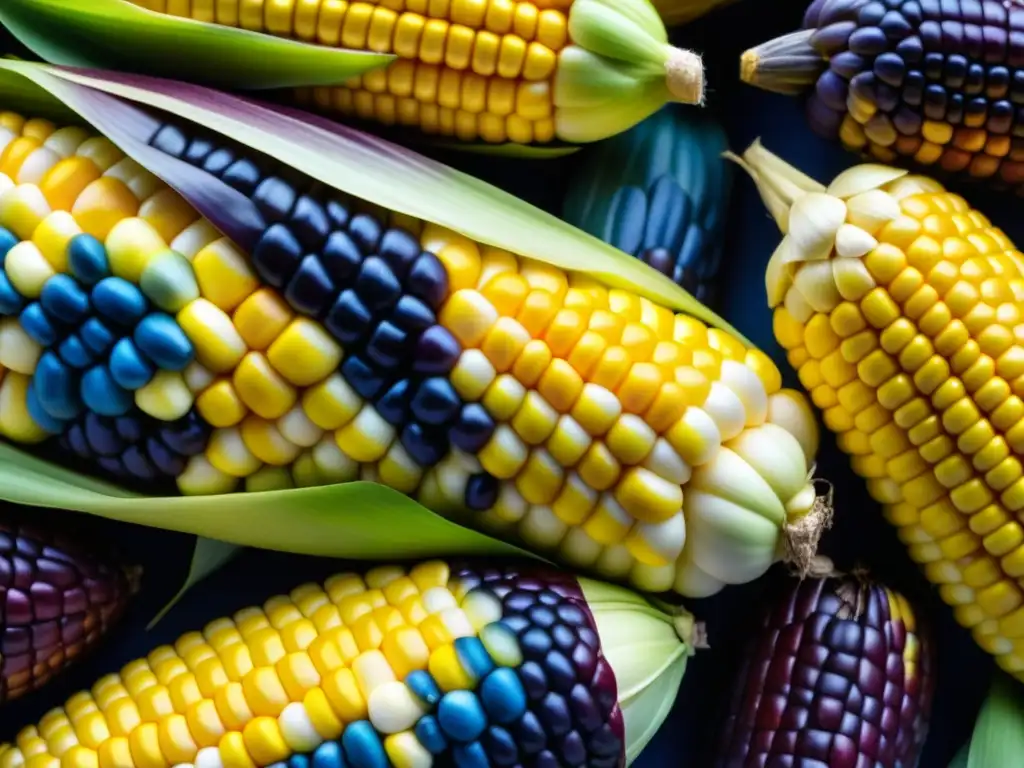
(357, 519)
(998, 738)
(207, 556)
(113, 34)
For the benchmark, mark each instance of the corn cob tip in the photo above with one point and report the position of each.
(802, 534)
(684, 76)
(788, 65)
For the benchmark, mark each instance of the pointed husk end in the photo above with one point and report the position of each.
(788, 65)
(801, 537)
(684, 76)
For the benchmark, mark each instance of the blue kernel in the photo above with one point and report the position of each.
(329, 755)
(161, 339)
(56, 387)
(399, 249)
(119, 300)
(187, 436)
(11, 301)
(473, 657)
(112, 465)
(128, 367)
(503, 695)
(365, 231)
(341, 257)
(471, 756)
(297, 761)
(73, 352)
(530, 734)
(428, 280)
(138, 464)
(363, 747)
(277, 255)
(472, 429)
(102, 395)
(461, 716)
(349, 320)
(393, 405)
(7, 241)
(64, 299)
(310, 291)
(435, 402)
(437, 352)
(129, 428)
(387, 345)
(103, 439)
(166, 461)
(423, 687)
(88, 259)
(362, 377)
(38, 413)
(411, 315)
(377, 285)
(482, 492)
(500, 746)
(278, 765)
(37, 325)
(96, 336)
(425, 446)
(77, 442)
(428, 732)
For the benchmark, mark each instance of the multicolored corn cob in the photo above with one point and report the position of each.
(900, 308)
(660, 193)
(490, 71)
(433, 665)
(331, 341)
(839, 675)
(57, 601)
(926, 84)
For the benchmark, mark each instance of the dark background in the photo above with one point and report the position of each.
(860, 535)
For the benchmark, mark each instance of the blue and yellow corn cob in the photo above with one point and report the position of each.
(405, 667)
(351, 343)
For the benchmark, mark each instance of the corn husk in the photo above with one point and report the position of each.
(356, 519)
(998, 738)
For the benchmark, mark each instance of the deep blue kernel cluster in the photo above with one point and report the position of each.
(373, 288)
(102, 339)
(135, 446)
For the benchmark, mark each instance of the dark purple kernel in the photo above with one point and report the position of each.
(910, 50)
(534, 681)
(393, 405)
(166, 462)
(574, 753)
(103, 440)
(363, 377)
(974, 83)
(584, 708)
(186, 436)
(868, 41)
(412, 315)
(274, 198)
(310, 291)
(563, 637)
(831, 89)
(399, 249)
(388, 345)
(846, 64)
(890, 68)
(887, 98)
(955, 109)
(863, 87)
(560, 671)
(435, 401)
(554, 714)
(366, 232)
(309, 222)
(517, 623)
(482, 491)
(935, 102)
(955, 73)
(341, 257)
(1000, 119)
(913, 88)
(934, 64)
(535, 643)
(427, 446)
(349, 320)
(138, 464)
(833, 38)
(243, 175)
(529, 734)
(871, 14)
(277, 255)
(997, 84)
(500, 746)
(895, 26)
(472, 429)
(428, 280)
(437, 352)
(377, 285)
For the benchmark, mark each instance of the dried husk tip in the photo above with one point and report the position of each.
(802, 535)
(684, 76)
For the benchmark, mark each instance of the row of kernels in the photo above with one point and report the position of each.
(434, 119)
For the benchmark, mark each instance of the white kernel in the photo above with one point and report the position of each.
(393, 708)
(19, 352)
(201, 478)
(66, 141)
(542, 528)
(209, 757)
(665, 462)
(296, 427)
(37, 165)
(228, 453)
(193, 238)
(726, 408)
(197, 377)
(437, 599)
(746, 385)
(332, 463)
(297, 729)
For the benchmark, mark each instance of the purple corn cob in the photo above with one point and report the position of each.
(931, 84)
(839, 676)
(57, 600)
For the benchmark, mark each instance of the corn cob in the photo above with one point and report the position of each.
(839, 675)
(490, 71)
(659, 192)
(899, 307)
(929, 84)
(347, 343)
(57, 601)
(497, 665)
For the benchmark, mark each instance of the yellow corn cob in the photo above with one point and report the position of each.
(494, 665)
(492, 71)
(901, 309)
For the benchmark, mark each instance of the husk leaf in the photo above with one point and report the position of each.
(998, 738)
(115, 34)
(208, 556)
